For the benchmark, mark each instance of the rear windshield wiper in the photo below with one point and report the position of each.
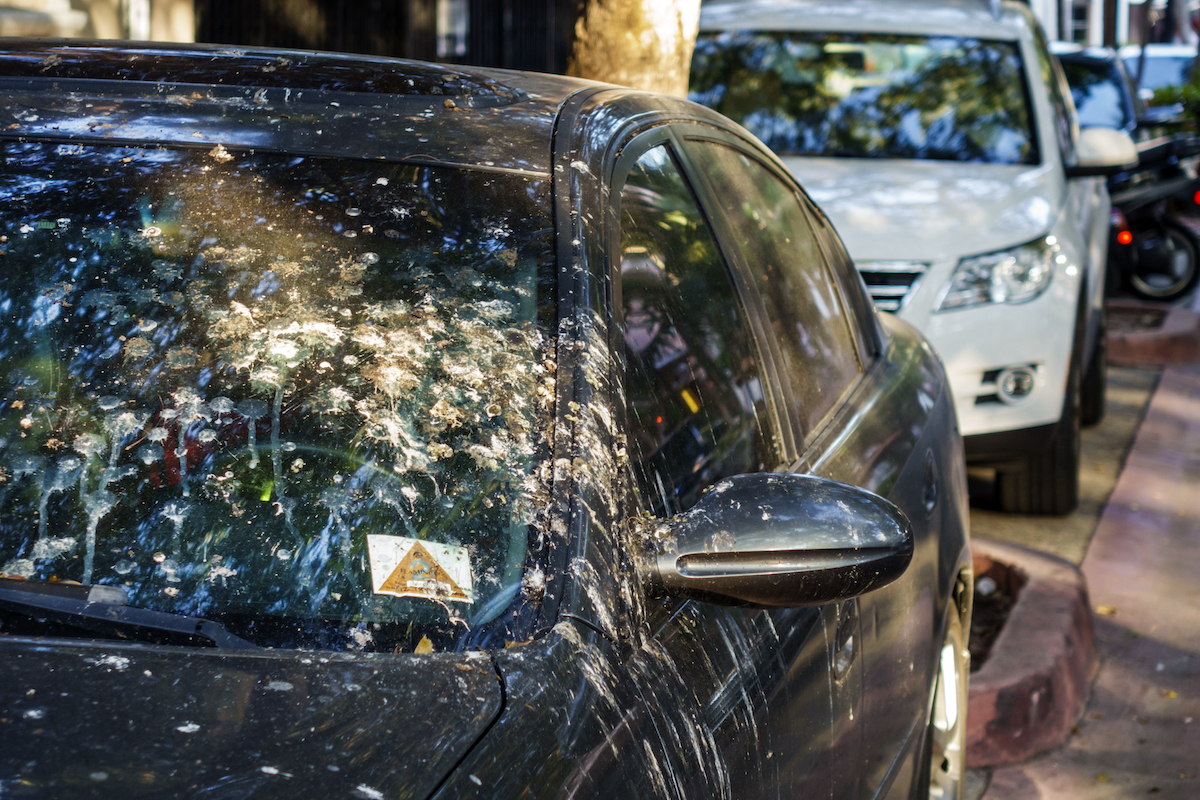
(102, 610)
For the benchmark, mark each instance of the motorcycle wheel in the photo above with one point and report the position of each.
(1165, 263)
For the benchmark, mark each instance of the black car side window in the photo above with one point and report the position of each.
(771, 229)
(695, 404)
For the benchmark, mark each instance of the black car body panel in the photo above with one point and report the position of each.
(594, 689)
(85, 91)
(723, 717)
(105, 720)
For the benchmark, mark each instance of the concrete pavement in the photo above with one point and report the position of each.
(1140, 733)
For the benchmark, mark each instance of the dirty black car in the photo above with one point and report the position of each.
(379, 429)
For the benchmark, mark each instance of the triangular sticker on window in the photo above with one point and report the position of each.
(404, 567)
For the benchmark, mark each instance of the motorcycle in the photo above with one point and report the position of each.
(1154, 249)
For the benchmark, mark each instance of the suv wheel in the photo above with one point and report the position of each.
(1095, 378)
(1048, 482)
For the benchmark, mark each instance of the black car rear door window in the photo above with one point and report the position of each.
(771, 230)
(695, 401)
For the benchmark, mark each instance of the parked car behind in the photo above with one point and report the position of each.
(374, 429)
(1151, 251)
(941, 140)
(1164, 65)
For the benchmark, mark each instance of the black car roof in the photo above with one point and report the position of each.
(287, 100)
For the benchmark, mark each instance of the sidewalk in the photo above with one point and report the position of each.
(1140, 734)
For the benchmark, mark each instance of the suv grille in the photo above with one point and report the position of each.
(891, 283)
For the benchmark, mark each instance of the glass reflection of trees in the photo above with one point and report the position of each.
(866, 95)
(694, 398)
(220, 371)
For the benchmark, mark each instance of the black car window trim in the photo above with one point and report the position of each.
(574, 291)
(707, 194)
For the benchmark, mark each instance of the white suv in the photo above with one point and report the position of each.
(941, 140)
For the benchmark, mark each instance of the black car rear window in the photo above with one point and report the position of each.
(303, 397)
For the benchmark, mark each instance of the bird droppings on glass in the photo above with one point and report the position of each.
(214, 395)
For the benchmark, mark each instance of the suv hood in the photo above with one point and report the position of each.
(930, 210)
(108, 720)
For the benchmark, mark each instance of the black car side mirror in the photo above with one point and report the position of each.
(777, 541)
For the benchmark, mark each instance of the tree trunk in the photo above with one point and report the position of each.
(1181, 22)
(646, 44)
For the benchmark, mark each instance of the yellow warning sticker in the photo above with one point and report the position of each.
(405, 567)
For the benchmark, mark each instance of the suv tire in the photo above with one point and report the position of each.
(1095, 378)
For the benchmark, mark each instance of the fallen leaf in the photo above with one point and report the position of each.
(424, 646)
(1169, 693)
(1108, 611)
(1102, 777)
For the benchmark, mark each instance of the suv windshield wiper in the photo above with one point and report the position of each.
(102, 610)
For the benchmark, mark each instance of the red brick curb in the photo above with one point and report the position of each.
(1176, 340)
(1034, 685)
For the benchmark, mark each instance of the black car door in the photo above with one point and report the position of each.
(864, 416)
(776, 690)
(904, 447)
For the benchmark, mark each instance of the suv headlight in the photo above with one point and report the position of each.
(1016, 275)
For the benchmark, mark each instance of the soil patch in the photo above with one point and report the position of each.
(988, 615)
(996, 588)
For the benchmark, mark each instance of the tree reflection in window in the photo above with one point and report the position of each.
(695, 402)
(869, 95)
(222, 371)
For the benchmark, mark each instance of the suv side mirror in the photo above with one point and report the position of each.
(1103, 151)
(778, 541)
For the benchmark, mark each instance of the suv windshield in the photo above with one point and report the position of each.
(296, 395)
(865, 95)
